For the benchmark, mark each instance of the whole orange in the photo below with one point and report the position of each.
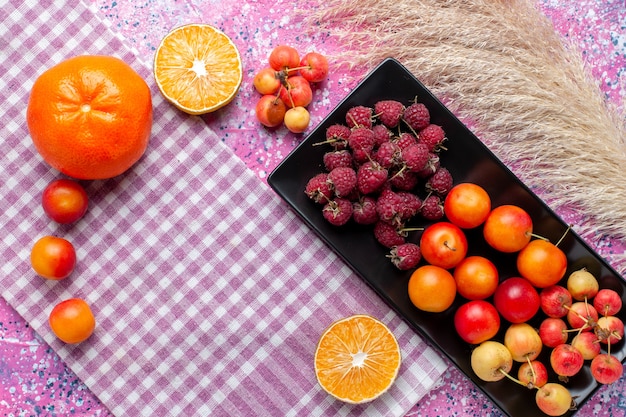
(90, 116)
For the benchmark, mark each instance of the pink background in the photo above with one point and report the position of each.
(34, 381)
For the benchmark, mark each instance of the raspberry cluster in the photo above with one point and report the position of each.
(382, 170)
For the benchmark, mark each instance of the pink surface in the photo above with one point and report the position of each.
(34, 381)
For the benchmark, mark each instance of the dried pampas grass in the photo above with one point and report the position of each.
(500, 66)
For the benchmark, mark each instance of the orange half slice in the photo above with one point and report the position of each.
(198, 68)
(357, 359)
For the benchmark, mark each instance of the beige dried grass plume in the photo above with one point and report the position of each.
(501, 66)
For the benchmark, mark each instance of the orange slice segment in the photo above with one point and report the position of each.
(357, 359)
(198, 68)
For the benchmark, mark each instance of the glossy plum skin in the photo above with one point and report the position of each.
(64, 201)
(476, 321)
(314, 67)
(516, 300)
(508, 228)
(443, 244)
(72, 320)
(53, 258)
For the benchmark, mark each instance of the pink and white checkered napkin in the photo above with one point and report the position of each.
(210, 295)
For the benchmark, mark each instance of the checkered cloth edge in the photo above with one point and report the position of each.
(210, 295)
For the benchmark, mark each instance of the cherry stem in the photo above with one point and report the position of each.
(278, 94)
(547, 240)
(569, 227)
(445, 243)
(398, 173)
(532, 370)
(410, 128)
(288, 70)
(512, 378)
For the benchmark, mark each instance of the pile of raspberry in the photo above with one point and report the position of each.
(382, 170)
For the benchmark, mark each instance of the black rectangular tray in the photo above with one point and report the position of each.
(469, 160)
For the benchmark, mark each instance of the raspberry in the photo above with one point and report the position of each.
(337, 135)
(404, 180)
(342, 181)
(389, 206)
(433, 136)
(318, 189)
(364, 210)
(338, 211)
(359, 116)
(370, 177)
(415, 157)
(381, 134)
(406, 139)
(409, 206)
(389, 112)
(388, 155)
(361, 138)
(432, 166)
(440, 182)
(416, 116)
(388, 235)
(335, 159)
(405, 256)
(432, 208)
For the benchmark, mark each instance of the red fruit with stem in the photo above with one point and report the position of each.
(553, 331)
(443, 244)
(270, 110)
(606, 369)
(582, 316)
(314, 67)
(609, 329)
(296, 92)
(523, 342)
(267, 81)
(566, 361)
(607, 302)
(284, 57)
(587, 344)
(533, 374)
(554, 399)
(555, 301)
